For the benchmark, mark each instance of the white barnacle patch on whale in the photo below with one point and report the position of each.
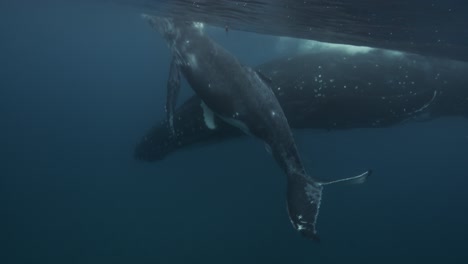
(192, 60)
(300, 227)
(199, 25)
(208, 116)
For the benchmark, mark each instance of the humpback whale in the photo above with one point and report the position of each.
(398, 25)
(241, 97)
(333, 90)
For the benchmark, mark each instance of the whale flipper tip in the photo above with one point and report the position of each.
(359, 179)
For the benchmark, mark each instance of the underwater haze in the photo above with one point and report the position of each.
(82, 82)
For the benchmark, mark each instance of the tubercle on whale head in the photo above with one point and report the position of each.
(165, 26)
(169, 27)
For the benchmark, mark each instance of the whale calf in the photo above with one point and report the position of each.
(333, 90)
(241, 97)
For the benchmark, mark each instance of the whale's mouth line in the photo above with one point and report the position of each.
(426, 105)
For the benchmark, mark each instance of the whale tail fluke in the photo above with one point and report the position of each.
(303, 199)
(359, 179)
(304, 196)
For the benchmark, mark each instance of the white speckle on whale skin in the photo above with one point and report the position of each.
(300, 227)
(273, 113)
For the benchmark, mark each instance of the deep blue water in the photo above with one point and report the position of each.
(79, 86)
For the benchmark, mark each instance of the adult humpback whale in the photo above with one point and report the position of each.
(334, 90)
(398, 24)
(240, 97)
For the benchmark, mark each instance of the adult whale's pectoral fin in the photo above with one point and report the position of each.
(173, 88)
(304, 197)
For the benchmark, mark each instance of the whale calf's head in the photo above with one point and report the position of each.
(165, 26)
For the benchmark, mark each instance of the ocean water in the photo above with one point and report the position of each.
(81, 83)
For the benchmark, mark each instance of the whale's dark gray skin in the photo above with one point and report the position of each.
(375, 89)
(241, 98)
(440, 30)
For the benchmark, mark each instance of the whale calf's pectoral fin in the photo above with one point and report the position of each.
(359, 179)
(173, 88)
